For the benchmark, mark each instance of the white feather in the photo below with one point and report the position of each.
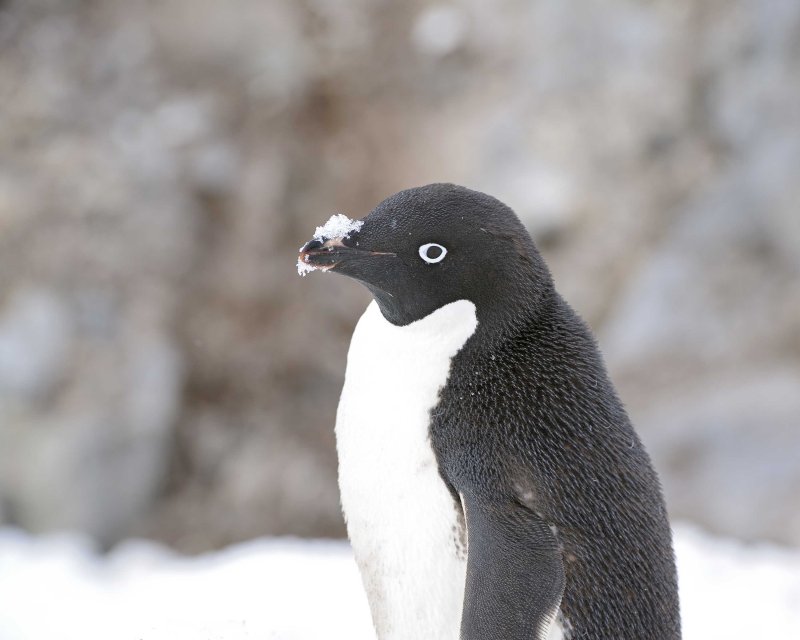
(401, 518)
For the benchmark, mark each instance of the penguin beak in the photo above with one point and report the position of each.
(333, 254)
(322, 255)
(383, 273)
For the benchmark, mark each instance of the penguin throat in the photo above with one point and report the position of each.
(400, 312)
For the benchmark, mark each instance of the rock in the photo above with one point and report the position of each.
(34, 343)
(93, 456)
(727, 452)
(439, 30)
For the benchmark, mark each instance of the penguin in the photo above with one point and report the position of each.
(491, 482)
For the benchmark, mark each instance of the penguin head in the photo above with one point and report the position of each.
(423, 248)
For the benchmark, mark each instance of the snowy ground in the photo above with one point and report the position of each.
(58, 588)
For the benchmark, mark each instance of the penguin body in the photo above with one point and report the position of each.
(491, 480)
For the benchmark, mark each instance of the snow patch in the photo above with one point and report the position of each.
(303, 268)
(278, 589)
(337, 226)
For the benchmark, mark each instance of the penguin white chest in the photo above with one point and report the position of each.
(401, 519)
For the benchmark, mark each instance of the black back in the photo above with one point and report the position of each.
(529, 415)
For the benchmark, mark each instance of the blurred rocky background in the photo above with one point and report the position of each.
(163, 370)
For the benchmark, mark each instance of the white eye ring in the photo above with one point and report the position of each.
(423, 253)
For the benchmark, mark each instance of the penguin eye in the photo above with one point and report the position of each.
(432, 252)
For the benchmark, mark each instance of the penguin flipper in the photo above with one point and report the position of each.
(515, 574)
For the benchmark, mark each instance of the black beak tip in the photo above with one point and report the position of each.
(320, 254)
(311, 245)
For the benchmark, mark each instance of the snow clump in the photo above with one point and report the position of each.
(304, 268)
(337, 226)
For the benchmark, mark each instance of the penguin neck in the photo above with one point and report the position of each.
(454, 322)
(502, 309)
(509, 315)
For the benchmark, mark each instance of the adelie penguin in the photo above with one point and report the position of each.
(491, 481)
